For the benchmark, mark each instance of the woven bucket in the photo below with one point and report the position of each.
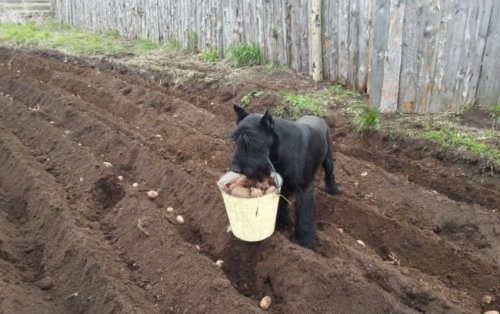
(251, 219)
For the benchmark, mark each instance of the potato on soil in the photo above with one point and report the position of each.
(265, 303)
(152, 194)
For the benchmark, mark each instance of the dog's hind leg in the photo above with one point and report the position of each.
(305, 228)
(331, 184)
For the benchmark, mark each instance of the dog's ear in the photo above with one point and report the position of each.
(241, 113)
(267, 121)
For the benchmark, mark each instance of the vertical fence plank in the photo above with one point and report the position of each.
(364, 27)
(353, 42)
(392, 60)
(410, 55)
(477, 44)
(488, 91)
(344, 41)
(431, 19)
(380, 38)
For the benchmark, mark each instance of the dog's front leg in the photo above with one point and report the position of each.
(305, 229)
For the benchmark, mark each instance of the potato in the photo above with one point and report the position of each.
(219, 263)
(240, 191)
(270, 189)
(255, 192)
(244, 187)
(152, 194)
(265, 303)
(241, 181)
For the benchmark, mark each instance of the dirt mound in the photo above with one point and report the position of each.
(411, 233)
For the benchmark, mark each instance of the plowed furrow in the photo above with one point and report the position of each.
(65, 247)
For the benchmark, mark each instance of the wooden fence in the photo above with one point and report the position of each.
(21, 11)
(409, 55)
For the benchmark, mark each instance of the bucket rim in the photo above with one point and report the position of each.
(277, 191)
(249, 197)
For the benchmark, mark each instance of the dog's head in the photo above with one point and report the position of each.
(253, 138)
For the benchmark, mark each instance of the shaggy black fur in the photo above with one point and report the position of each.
(296, 150)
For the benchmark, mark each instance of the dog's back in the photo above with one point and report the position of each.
(314, 122)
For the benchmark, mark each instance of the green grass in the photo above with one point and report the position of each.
(192, 44)
(297, 105)
(340, 92)
(245, 100)
(77, 41)
(144, 45)
(275, 67)
(367, 119)
(210, 56)
(495, 111)
(241, 55)
(24, 34)
(449, 138)
(56, 35)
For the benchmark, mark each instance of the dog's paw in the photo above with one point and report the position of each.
(307, 240)
(334, 190)
(307, 244)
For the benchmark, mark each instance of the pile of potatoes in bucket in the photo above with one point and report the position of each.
(244, 187)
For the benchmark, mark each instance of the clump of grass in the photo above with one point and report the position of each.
(275, 66)
(29, 33)
(449, 138)
(338, 91)
(173, 44)
(144, 45)
(241, 55)
(495, 111)
(297, 105)
(367, 119)
(56, 35)
(210, 56)
(245, 100)
(192, 44)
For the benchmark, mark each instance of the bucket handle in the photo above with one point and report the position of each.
(275, 182)
(274, 171)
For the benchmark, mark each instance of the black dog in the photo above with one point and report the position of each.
(296, 150)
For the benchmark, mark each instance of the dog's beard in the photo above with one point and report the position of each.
(254, 169)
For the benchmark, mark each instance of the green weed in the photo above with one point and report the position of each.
(367, 119)
(275, 66)
(495, 111)
(297, 105)
(210, 56)
(245, 100)
(340, 92)
(449, 138)
(192, 44)
(241, 55)
(144, 45)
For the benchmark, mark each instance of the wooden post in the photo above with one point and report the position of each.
(316, 41)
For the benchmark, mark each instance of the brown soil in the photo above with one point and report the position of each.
(76, 239)
(478, 117)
